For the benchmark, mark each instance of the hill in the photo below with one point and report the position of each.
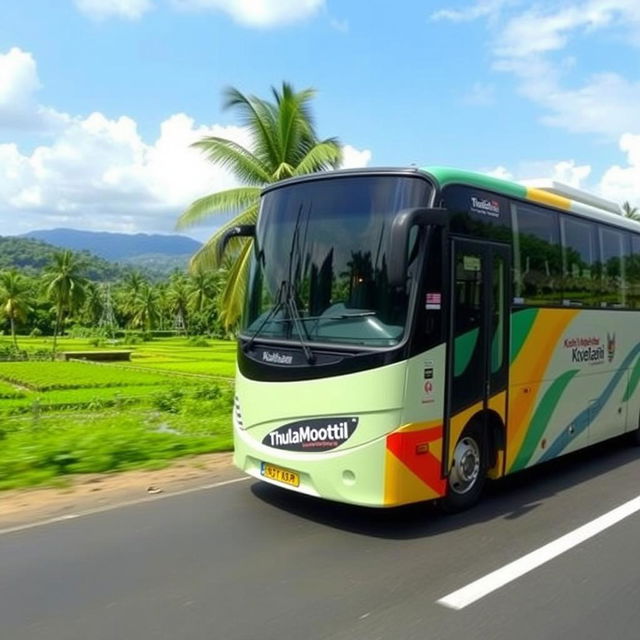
(118, 246)
(32, 256)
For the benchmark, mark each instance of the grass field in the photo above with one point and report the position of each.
(58, 418)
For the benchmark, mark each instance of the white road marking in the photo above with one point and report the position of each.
(497, 579)
(118, 505)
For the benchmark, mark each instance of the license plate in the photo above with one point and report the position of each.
(279, 474)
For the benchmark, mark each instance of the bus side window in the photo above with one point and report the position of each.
(613, 249)
(581, 263)
(537, 256)
(633, 274)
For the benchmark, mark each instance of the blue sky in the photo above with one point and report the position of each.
(99, 99)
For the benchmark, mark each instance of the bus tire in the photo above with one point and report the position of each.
(468, 472)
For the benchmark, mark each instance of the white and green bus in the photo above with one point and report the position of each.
(410, 332)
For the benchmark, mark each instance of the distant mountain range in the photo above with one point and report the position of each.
(121, 247)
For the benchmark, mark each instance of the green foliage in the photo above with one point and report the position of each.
(35, 454)
(285, 144)
(72, 417)
(47, 376)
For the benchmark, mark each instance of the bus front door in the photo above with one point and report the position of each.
(478, 360)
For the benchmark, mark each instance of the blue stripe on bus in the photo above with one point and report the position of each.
(588, 415)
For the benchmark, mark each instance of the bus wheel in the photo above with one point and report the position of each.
(468, 471)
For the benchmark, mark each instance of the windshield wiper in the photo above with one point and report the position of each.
(286, 297)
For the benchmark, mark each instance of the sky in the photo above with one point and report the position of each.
(100, 100)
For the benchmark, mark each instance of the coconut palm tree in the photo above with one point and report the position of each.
(94, 303)
(15, 296)
(65, 287)
(178, 299)
(630, 212)
(285, 144)
(202, 290)
(132, 285)
(145, 308)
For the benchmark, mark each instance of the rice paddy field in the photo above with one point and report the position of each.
(63, 417)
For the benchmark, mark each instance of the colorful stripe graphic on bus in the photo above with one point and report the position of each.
(595, 383)
(413, 464)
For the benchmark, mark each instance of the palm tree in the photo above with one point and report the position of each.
(285, 144)
(65, 287)
(94, 305)
(145, 308)
(178, 298)
(202, 290)
(630, 212)
(15, 297)
(133, 285)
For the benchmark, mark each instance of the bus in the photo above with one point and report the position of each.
(409, 333)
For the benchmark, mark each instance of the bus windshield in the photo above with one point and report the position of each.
(319, 266)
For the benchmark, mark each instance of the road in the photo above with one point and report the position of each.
(250, 561)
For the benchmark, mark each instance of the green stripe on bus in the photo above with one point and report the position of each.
(449, 175)
(464, 347)
(541, 419)
(521, 324)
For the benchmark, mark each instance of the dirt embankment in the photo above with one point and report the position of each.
(95, 491)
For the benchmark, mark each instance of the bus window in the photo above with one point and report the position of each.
(633, 274)
(612, 250)
(537, 256)
(581, 266)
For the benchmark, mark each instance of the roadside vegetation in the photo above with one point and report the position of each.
(59, 418)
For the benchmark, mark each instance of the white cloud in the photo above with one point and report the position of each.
(618, 183)
(18, 85)
(480, 95)
(353, 158)
(622, 183)
(532, 45)
(258, 13)
(101, 9)
(565, 171)
(479, 9)
(97, 172)
(499, 172)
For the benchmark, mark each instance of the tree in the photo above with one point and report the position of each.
(145, 308)
(630, 212)
(65, 287)
(15, 294)
(178, 299)
(202, 291)
(133, 285)
(285, 144)
(94, 303)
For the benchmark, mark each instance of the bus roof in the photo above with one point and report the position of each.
(547, 192)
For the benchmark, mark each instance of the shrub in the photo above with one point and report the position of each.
(197, 341)
(169, 400)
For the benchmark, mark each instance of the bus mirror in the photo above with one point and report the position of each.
(400, 229)
(241, 230)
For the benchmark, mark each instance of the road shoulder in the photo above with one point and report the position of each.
(86, 492)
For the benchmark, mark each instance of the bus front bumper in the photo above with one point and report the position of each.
(399, 468)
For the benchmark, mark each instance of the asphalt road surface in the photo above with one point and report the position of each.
(249, 561)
